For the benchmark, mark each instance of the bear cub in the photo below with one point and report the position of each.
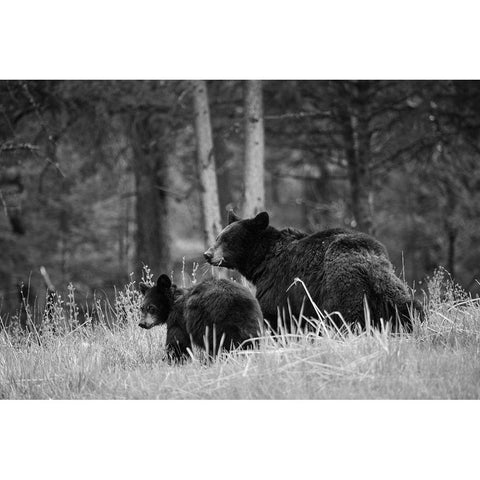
(213, 314)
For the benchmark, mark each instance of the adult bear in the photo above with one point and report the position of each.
(339, 268)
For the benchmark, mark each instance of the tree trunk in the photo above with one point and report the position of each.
(450, 222)
(358, 160)
(11, 192)
(151, 181)
(223, 161)
(254, 178)
(206, 164)
(318, 200)
(451, 237)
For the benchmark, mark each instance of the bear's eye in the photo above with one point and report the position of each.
(151, 309)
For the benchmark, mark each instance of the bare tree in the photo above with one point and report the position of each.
(206, 163)
(254, 183)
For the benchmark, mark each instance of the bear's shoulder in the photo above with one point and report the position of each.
(329, 234)
(322, 237)
(291, 238)
(293, 233)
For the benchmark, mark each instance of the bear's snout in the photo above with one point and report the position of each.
(144, 324)
(208, 254)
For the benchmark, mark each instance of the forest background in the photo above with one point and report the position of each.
(98, 178)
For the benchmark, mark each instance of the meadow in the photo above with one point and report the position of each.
(110, 357)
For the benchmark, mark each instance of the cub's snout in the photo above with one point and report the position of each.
(148, 322)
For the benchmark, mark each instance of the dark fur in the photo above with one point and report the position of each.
(219, 307)
(339, 268)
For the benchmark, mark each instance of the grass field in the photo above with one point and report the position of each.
(115, 359)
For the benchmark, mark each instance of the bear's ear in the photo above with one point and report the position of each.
(232, 217)
(164, 282)
(143, 287)
(260, 222)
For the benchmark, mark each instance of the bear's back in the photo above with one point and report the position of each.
(215, 291)
(225, 305)
(297, 255)
(349, 239)
(305, 249)
(309, 258)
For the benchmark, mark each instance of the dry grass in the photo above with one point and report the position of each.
(439, 360)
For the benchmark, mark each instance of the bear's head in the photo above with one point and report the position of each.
(236, 241)
(157, 302)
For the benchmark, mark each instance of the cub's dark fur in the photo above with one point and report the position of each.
(211, 314)
(339, 268)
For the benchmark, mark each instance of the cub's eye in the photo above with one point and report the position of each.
(151, 309)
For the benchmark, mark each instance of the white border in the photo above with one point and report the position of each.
(184, 39)
(240, 439)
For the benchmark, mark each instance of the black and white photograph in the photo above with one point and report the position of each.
(239, 241)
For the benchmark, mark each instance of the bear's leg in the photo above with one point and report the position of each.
(176, 344)
(344, 293)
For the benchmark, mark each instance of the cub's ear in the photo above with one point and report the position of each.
(143, 287)
(164, 282)
(260, 222)
(232, 217)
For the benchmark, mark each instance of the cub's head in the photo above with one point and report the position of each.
(236, 241)
(157, 302)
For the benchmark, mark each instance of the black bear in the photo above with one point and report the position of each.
(339, 268)
(213, 314)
